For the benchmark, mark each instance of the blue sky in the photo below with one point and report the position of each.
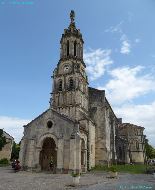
(119, 54)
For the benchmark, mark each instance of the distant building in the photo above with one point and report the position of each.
(7, 149)
(130, 143)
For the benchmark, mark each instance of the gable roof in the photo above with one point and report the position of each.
(55, 111)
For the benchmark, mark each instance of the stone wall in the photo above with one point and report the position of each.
(91, 144)
(135, 138)
(97, 111)
(105, 120)
(7, 149)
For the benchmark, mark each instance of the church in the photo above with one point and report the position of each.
(79, 129)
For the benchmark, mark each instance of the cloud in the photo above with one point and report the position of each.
(115, 29)
(143, 115)
(125, 45)
(128, 83)
(13, 126)
(137, 40)
(96, 61)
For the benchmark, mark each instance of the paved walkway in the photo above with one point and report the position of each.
(90, 181)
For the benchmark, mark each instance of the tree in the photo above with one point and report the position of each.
(2, 139)
(15, 151)
(150, 151)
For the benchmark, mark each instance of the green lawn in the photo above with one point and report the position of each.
(134, 169)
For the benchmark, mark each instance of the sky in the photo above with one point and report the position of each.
(119, 52)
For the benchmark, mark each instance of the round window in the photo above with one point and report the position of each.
(49, 124)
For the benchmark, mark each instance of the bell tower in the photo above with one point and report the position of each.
(70, 84)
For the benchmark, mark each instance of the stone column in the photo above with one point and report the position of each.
(65, 50)
(30, 154)
(36, 159)
(78, 154)
(127, 158)
(22, 152)
(85, 160)
(61, 50)
(78, 49)
(60, 155)
(81, 52)
(72, 162)
(72, 47)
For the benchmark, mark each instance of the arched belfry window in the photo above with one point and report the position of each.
(75, 47)
(67, 47)
(71, 84)
(60, 85)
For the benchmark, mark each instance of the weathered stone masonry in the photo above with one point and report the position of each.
(80, 129)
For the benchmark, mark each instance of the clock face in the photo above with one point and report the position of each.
(66, 68)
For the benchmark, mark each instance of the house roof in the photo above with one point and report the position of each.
(7, 136)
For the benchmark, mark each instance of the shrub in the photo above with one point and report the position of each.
(150, 170)
(75, 174)
(15, 151)
(112, 169)
(4, 161)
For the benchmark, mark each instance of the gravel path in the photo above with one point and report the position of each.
(90, 181)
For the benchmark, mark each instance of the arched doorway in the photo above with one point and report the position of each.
(48, 155)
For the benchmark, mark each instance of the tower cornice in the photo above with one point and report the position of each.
(72, 59)
(68, 33)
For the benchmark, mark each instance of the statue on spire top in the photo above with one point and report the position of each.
(72, 16)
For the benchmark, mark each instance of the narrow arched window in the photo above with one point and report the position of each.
(83, 153)
(60, 85)
(75, 45)
(120, 153)
(71, 84)
(67, 47)
(137, 145)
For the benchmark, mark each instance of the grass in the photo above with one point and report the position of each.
(133, 169)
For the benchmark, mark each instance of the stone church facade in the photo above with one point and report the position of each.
(78, 131)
